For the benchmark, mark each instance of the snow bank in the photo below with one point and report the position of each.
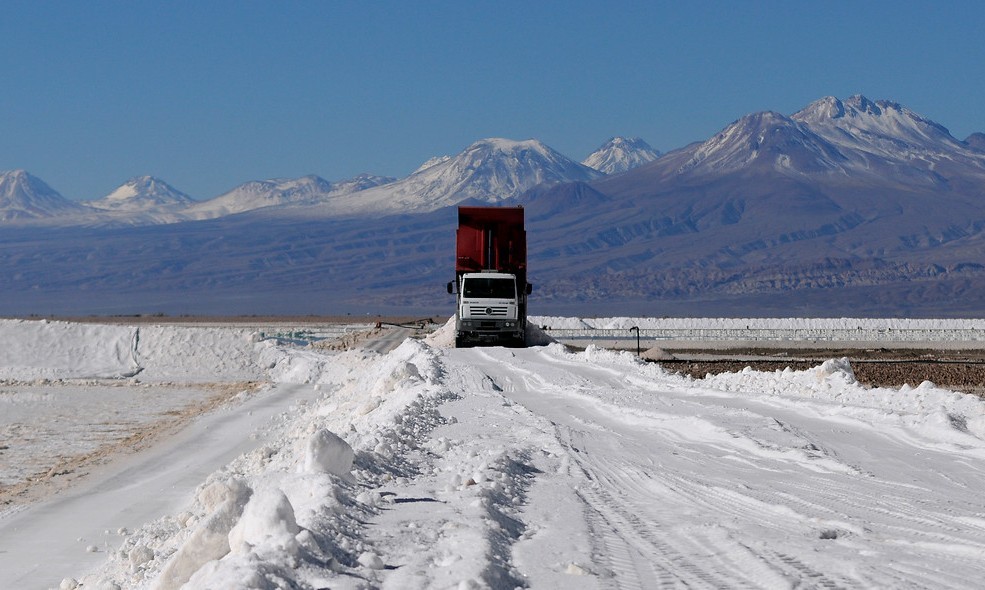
(187, 353)
(293, 512)
(57, 350)
(327, 453)
(444, 337)
(224, 503)
(936, 415)
(290, 513)
(34, 350)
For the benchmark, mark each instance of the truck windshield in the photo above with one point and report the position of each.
(489, 288)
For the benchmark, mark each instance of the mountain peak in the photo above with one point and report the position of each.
(150, 184)
(767, 139)
(620, 154)
(976, 141)
(831, 107)
(24, 196)
(490, 170)
(498, 145)
(504, 144)
(141, 194)
(495, 169)
(860, 104)
(828, 107)
(882, 126)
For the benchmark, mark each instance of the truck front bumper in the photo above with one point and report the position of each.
(489, 330)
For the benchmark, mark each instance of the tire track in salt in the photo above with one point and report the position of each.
(741, 492)
(640, 549)
(633, 540)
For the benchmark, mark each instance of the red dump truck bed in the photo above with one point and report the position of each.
(492, 238)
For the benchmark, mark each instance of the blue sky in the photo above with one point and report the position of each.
(207, 95)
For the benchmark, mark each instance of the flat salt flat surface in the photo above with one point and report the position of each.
(431, 467)
(69, 420)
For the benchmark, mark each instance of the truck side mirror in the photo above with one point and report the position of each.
(451, 289)
(528, 289)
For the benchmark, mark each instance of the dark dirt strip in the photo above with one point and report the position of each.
(959, 371)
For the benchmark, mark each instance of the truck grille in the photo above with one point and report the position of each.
(490, 311)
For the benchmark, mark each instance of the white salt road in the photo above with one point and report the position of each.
(388, 340)
(783, 482)
(70, 533)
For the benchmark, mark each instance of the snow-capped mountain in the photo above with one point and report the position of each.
(492, 170)
(765, 139)
(488, 171)
(879, 127)
(257, 194)
(856, 141)
(884, 139)
(620, 154)
(281, 192)
(26, 197)
(143, 194)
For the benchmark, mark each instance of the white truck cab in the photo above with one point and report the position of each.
(488, 308)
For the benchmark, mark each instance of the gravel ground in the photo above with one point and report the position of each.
(959, 371)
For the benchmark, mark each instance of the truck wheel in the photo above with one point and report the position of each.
(459, 342)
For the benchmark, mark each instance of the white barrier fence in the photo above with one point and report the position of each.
(654, 336)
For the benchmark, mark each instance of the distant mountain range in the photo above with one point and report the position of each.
(488, 171)
(847, 207)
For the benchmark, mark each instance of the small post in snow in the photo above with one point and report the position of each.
(637, 339)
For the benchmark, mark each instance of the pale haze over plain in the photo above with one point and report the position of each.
(213, 94)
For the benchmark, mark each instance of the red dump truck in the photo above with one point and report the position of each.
(490, 277)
